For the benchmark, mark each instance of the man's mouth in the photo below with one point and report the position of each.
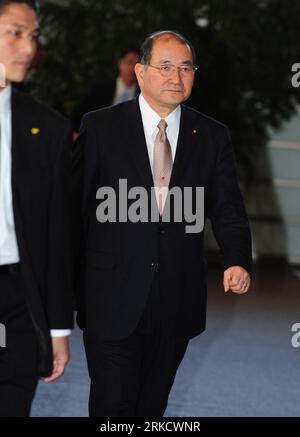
(175, 91)
(24, 64)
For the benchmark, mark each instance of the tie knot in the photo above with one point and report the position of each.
(162, 125)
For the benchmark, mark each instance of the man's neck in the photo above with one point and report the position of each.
(162, 111)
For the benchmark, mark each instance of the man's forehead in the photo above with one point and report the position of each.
(164, 43)
(130, 55)
(162, 49)
(19, 15)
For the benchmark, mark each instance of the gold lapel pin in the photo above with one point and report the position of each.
(35, 130)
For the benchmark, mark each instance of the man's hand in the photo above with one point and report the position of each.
(236, 279)
(60, 348)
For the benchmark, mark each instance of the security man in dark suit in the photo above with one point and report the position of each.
(35, 242)
(110, 92)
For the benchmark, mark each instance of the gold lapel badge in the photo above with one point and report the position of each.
(35, 130)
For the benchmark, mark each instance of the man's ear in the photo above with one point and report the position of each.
(139, 72)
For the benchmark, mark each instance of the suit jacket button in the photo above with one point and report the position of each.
(155, 267)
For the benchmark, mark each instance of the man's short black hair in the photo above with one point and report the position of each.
(131, 48)
(146, 47)
(31, 3)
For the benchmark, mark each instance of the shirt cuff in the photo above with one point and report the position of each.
(60, 332)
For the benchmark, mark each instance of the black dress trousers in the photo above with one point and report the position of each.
(19, 357)
(134, 376)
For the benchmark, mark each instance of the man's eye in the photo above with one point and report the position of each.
(33, 38)
(166, 68)
(15, 33)
(186, 69)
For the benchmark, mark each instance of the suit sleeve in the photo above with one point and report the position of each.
(59, 304)
(84, 165)
(227, 211)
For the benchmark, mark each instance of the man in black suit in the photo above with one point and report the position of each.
(144, 294)
(106, 93)
(35, 252)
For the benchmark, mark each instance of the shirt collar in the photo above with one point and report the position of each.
(121, 87)
(151, 118)
(5, 99)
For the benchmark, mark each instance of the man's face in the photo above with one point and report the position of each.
(126, 67)
(164, 94)
(18, 40)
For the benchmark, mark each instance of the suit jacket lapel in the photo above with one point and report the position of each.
(187, 139)
(28, 149)
(17, 142)
(137, 144)
(29, 155)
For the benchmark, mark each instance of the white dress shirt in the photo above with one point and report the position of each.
(150, 121)
(9, 252)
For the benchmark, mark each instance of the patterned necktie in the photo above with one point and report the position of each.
(162, 165)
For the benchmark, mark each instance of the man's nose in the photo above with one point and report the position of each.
(27, 47)
(175, 76)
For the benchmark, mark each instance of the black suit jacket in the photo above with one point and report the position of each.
(121, 259)
(41, 149)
